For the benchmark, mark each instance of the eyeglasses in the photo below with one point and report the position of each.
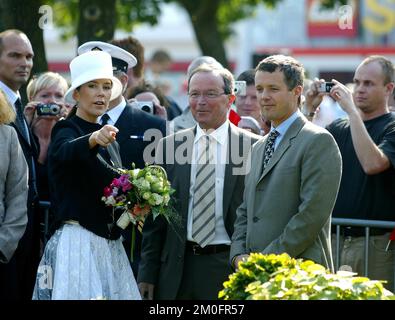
(208, 95)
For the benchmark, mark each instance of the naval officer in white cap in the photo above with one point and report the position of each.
(132, 124)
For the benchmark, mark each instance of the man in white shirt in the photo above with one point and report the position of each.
(206, 165)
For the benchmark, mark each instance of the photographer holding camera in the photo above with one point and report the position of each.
(150, 99)
(46, 107)
(319, 107)
(366, 141)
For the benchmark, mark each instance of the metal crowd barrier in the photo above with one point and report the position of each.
(337, 222)
(367, 224)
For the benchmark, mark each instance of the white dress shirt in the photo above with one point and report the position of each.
(220, 140)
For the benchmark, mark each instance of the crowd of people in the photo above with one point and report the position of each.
(269, 182)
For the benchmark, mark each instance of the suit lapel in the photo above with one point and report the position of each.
(184, 172)
(32, 146)
(285, 143)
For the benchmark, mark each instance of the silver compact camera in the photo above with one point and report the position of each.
(325, 87)
(147, 106)
(49, 109)
(240, 88)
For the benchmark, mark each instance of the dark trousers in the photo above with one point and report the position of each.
(204, 275)
(8, 280)
(27, 255)
(127, 244)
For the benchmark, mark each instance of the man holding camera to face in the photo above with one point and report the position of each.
(367, 144)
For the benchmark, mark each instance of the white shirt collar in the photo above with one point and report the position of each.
(220, 134)
(11, 95)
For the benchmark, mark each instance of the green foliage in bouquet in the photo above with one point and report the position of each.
(280, 277)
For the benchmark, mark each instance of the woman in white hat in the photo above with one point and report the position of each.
(85, 259)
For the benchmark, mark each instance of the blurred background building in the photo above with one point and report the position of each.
(330, 43)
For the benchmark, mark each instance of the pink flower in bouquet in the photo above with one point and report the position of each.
(125, 183)
(107, 191)
(122, 183)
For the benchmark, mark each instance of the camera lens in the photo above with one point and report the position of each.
(55, 109)
(146, 108)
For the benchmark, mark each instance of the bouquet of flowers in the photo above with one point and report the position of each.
(139, 192)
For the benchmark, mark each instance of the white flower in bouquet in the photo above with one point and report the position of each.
(146, 195)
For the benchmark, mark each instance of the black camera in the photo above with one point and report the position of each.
(326, 87)
(49, 109)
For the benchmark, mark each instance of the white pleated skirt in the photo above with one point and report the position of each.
(79, 265)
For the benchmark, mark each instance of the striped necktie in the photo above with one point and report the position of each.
(203, 225)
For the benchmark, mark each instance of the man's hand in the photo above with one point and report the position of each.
(343, 96)
(313, 96)
(146, 290)
(160, 111)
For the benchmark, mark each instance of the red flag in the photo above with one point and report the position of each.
(234, 117)
(392, 238)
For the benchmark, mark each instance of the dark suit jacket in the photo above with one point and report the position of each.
(134, 122)
(163, 244)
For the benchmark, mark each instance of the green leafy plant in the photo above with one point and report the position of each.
(280, 277)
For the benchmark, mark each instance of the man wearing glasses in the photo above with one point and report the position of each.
(206, 165)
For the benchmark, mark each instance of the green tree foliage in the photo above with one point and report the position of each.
(212, 20)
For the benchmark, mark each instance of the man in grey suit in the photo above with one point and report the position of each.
(13, 200)
(206, 165)
(290, 192)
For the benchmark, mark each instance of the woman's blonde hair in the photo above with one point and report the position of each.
(7, 114)
(45, 80)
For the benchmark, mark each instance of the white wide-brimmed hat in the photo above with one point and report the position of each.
(92, 65)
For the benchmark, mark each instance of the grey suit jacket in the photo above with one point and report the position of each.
(13, 192)
(163, 245)
(288, 206)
